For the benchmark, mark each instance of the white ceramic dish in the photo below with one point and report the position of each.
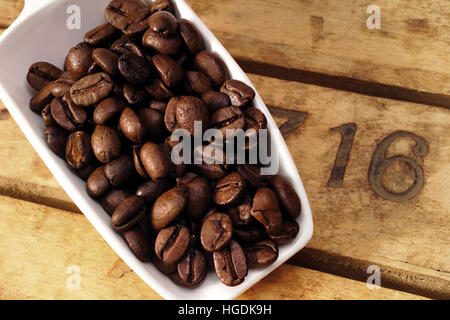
(40, 34)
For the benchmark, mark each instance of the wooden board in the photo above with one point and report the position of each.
(42, 250)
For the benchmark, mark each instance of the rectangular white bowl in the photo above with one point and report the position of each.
(40, 34)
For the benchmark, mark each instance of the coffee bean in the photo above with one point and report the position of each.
(79, 59)
(106, 59)
(255, 119)
(228, 120)
(91, 89)
(192, 268)
(61, 87)
(197, 82)
(134, 94)
(47, 117)
(168, 70)
(241, 214)
(262, 253)
(118, 12)
(240, 93)
(163, 23)
(120, 171)
(132, 126)
(252, 175)
(289, 199)
(138, 242)
(215, 100)
(154, 123)
(107, 109)
(66, 114)
(97, 184)
(216, 231)
(183, 112)
(249, 234)
(158, 90)
(137, 162)
(151, 190)
(266, 210)
(106, 144)
(162, 5)
(41, 73)
(199, 197)
(155, 161)
(125, 45)
(129, 213)
(172, 243)
(112, 199)
(229, 190)
(230, 264)
(101, 35)
(288, 232)
(136, 23)
(211, 65)
(56, 139)
(78, 150)
(134, 69)
(158, 106)
(164, 268)
(168, 207)
(42, 98)
(157, 43)
(191, 36)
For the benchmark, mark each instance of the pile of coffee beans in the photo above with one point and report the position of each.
(110, 113)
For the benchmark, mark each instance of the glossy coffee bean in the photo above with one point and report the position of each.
(154, 123)
(120, 171)
(106, 144)
(155, 161)
(108, 109)
(164, 268)
(97, 184)
(47, 117)
(249, 234)
(215, 100)
(183, 112)
(136, 23)
(163, 23)
(241, 213)
(118, 12)
(106, 59)
(211, 65)
(262, 253)
(162, 5)
(112, 199)
(61, 87)
(134, 94)
(151, 190)
(79, 59)
(66, 114)
(191, 36)
(41, 73)
(289, 199)
(78, 150)
(252, 175)
(172, 243)
(137, 162)
(288, 232)
(132, 126)
(139, 243)
(255, 119)
(211, 171)
(134, 69)
(129, 213)
(168, 207)
(230, 264)
(197, 82)
(91, 89)
(158, 105)
(101, 35)
(240, 93)
(157, 43)
(168, 70)
(266, 210)
(199, 198)
(229, 190)
(158, 90)
(126, 45)
(228, 120)
(56, 139)
(192, 269)
(216, 231)
(41, 99)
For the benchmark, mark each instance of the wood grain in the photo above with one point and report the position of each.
(38, 254)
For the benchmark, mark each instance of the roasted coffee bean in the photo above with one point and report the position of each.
(241, 214)
(192, 269)
(61, 87)
(134, 69)
(139, 243)
(262, 253)
(266, 210)
(199, 197)
(106, 59)
(151, 190)
(229, 190)
(211, 171)
(289, 199)
(228, 120)
(106, 144)
(84, 173)
(158, 105)
(78, 150)
(155, 161)
(101, 35)
(138, 164)
(42, 98)
(136, 23)
(97, 184)
(172, 243)
(91, 89)
(162, 5)
(47, 117)
(154, 123)
(211, 65)
(56, 139)
(230, 264)
(120, 171)
(197, 82)
(119, 12)
(93, 68)
(126, 45)
(240, 93)
(167, 45)
(79, 59)
(129, 213)
(135, 95)
(255, 119)
(158, 90)
(107, 109)
(289, 232)
(66, 114)
(168, 207)
(67, 75)
(41, 73)
(252, 175)
(164, 268)
(168, 70)
(248, 234)
(112, 199)
(215, 100)
(182, 112)
(191, 36)
(216, 231)
(132, 126)
(163, 23)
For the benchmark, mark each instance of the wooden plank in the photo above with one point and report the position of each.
(41, 249)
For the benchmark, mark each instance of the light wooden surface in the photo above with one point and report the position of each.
(354, 227)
